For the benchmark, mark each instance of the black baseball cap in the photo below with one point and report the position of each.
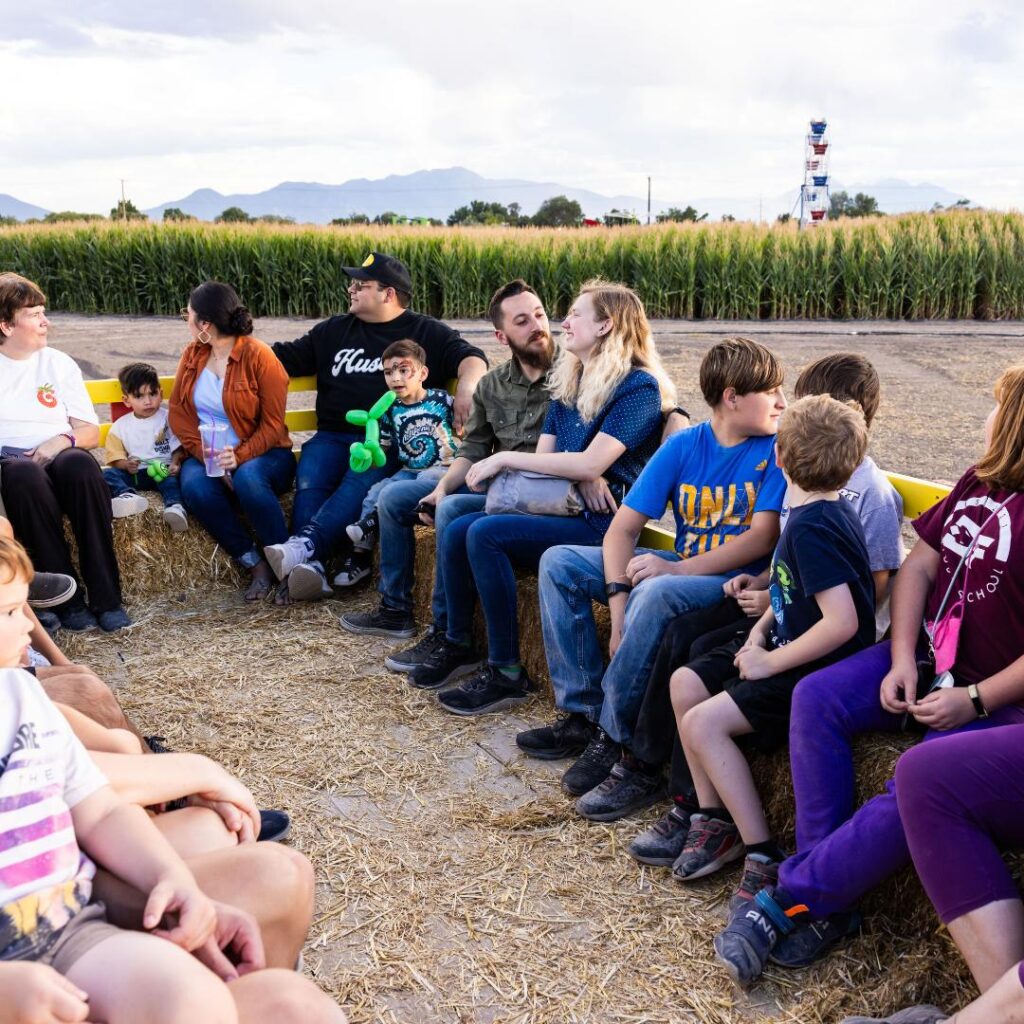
(387, 270)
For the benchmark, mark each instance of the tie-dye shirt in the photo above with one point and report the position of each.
(45, 879)
(423, 433)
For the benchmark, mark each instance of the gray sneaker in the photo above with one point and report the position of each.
(175, 518)
(710, 845)
(285, 557)
(662, 843)
(924, 1014)
(623, 791)
(308, 582)
(758, 872)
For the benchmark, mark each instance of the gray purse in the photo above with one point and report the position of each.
(521, 492)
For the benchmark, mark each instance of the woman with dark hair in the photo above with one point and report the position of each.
(227, 409)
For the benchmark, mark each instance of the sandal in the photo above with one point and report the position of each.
(261, 585)
(282, 599)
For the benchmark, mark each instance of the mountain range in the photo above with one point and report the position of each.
(436, 193)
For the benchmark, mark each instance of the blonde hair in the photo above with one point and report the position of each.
(629, 345)
(821, 441)
(15, 564)
(1002, 465)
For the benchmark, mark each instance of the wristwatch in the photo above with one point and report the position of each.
(979, 704)
(611, 589)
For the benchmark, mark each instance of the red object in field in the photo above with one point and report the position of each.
(589, 222)
(817, 214)
(820, 147)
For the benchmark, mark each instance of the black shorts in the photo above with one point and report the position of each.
(764, 703)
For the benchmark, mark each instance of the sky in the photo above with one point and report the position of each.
(709, 99)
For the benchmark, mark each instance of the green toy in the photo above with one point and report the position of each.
(363, 454)
(157, 470)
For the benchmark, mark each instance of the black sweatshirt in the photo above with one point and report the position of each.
(344, 353)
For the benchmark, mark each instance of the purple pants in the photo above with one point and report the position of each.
(841, 855)
(959, 804)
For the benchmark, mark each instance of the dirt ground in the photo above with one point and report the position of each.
(455, 883)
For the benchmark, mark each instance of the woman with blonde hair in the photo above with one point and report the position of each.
(609, 391)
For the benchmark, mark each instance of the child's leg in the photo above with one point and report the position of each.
(119, 481)
(369, 505)
(136, 977)
(97, 737)
(282, 997)
(170, 491)
(686, 691)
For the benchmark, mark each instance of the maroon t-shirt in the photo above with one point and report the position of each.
(992, 631)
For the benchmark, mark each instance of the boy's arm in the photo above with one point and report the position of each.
(618, 550)
(117, 454)
(33, 992)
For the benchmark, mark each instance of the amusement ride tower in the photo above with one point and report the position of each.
(814, 191)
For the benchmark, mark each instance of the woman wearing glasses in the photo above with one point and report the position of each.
(227, 409)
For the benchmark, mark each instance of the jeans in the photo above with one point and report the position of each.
(120, 481)
(328, 495)
(841, 855)
(573, 577)
(483, 550)
(257, 484)
(373, 495)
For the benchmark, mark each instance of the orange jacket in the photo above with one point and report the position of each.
(255, 395)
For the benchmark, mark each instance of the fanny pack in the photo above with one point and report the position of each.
(521, 492)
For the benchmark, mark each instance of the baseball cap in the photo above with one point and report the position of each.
(387, 270)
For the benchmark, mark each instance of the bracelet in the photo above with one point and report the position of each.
(979, 704)
(71, 437)
(682, 412)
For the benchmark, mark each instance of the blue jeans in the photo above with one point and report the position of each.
(120, 481)
(373, 495)
(328, 495)
(398, 543)
(570, 579)
(257, 484)
(483, 550)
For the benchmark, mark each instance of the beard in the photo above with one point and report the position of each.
(529, 354)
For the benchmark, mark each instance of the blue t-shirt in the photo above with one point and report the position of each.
(714, 491)
(422, 433)
(822, 547)
(208, 396)
(632, 415)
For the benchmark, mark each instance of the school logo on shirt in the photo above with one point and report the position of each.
(990, 553)
(25, 739)
(348, 360)
(45, 395)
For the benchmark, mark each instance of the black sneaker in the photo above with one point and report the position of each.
(567, 736)
(486, 691)
(157, 744)
(664, 840)
(274, 826)
(744, 946)
(50, 588)
(113, 620)
(593, 765)
(49, 621)
(811, 939)
(447, 662)
(364, 533)
(76, 618)
(383, 622)
(354, 568)
(622, 792)
(408, 659)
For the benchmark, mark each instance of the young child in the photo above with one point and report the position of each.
(135, 440)
(822, 610)
(419, 427)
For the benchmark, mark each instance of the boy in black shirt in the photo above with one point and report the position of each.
(344, 352)
(822, 610)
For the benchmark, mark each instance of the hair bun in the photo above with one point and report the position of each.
(240, 321)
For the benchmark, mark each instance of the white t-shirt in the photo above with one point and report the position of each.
(142, 439)
(38, 396)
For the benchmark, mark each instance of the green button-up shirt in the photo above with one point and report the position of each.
(508, 412)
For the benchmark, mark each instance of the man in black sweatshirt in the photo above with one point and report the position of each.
(344, 353)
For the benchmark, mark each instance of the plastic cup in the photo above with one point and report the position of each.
(215, 438)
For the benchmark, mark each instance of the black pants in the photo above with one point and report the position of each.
(37, 499)
(656, 738)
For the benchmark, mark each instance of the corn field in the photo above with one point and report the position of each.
(957, 265)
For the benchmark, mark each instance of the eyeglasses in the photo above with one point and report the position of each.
(183, 313)
(401, 370)
(358, 286)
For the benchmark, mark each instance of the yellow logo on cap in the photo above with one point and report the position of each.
(368, 261)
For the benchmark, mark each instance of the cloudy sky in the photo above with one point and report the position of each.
(710, 99)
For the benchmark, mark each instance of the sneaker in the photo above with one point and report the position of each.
(662, 843)
(157, 744)
(308, 582)
(593, 765)
(710, 845)
(175, 518)
(448, 662)
(383, 622)
(486, 691)
(813, 939)
(744, 946)
(128, 505)
(76, 618)
(283, 558)
(354, 568)
(567, 736)
(113, 620)
(408, 659)
(924, 1014)
(274, 827)
(758, 873)
(49, 621)
(364, 533)
(623, 791)
(51, 588)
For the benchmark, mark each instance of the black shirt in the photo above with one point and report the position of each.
(344, 353)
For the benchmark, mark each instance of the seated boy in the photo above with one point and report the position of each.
(140, 440)
(822, 610)
(726, 492)
(420, 428)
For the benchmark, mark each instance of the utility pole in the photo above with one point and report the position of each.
(760, 209)
(648, 200)
(124, 205)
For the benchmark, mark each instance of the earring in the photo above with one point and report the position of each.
(203, 337)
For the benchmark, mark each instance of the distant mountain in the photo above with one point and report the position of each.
(11, 207)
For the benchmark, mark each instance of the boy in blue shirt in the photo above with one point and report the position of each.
(726, 493)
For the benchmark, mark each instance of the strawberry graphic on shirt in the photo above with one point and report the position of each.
(45, 396)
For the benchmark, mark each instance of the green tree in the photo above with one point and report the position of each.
(233, 215)
(479, 212)
(274, 218)
(558, 212)
(783, 218)
(390, 217)
(674, 215)
(728, 218)
(516, 217)
(861, 205)
(63, 215)
(126, 210)
(352, 218)
(174, 213)
(8, 222)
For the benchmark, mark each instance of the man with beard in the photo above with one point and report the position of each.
(508, 412)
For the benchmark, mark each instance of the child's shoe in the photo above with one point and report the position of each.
(289, 554)
(364, 533)
(354, 568)
(128, 504)
(710, 844)
(759, 872)
(662, 843)
(175, 518)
